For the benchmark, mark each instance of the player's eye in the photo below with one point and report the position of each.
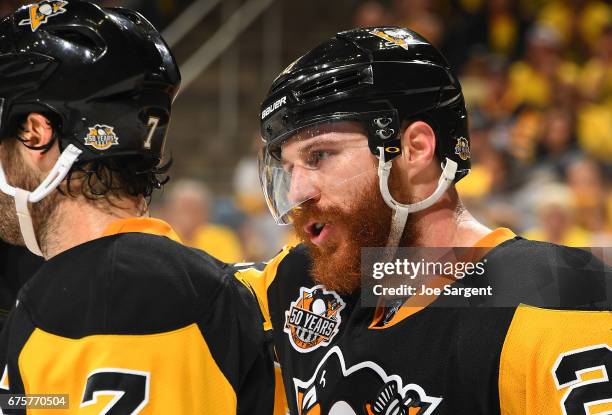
(315, 157)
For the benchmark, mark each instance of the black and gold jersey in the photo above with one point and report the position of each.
(136, 323)
(541, 345)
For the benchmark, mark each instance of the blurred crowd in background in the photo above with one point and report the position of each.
(537, 77)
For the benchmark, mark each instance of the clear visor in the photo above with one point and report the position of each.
(324, 161)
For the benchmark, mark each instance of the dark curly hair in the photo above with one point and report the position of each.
(116, 176)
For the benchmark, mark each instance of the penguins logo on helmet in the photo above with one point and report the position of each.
(462, 148)
(101, 137)
(41, 12)
(313, 319)
(399, 37)
(361, 389)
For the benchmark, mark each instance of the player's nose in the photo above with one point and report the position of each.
(303, 186)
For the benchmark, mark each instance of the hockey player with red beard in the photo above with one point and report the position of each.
(365, 137)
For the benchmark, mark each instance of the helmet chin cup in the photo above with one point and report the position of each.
(401, 211)
(22, 197)
(25, 222)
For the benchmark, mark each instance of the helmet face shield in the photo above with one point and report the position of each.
(325, 160)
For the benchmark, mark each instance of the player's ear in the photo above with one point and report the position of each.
(37, 134)
(418, 147)
(416, 169)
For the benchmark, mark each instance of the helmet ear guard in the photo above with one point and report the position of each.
(23, 197)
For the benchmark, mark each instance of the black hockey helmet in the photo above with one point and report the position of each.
(103, 76)
(381, 76)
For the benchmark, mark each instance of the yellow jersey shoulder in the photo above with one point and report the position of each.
(559, 359)
(258, 277)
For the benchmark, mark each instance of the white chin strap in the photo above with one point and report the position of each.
(401, 211)
(22, 197)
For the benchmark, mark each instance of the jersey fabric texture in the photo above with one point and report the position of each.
(541, 345)
(136, 323)
(17, 265)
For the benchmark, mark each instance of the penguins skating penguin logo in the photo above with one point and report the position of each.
(362, 389)
(40, 13)
(396, 37)
(314, 318)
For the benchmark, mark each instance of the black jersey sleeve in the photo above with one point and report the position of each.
(17, 265)
(233, 329)
(13, 337)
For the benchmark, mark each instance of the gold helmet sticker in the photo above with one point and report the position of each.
(42, 11)
(462, 148)
(101, 137)
(398, 37)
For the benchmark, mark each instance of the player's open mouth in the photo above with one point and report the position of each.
(317, 231)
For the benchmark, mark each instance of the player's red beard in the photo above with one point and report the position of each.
(367, 223)
(18, 175)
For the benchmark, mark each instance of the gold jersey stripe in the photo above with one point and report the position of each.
(260, 281)
(182, 372)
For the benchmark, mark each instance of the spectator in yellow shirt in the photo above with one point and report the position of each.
(187, 208)
(556, 219)
(581, 21)
(543, 74)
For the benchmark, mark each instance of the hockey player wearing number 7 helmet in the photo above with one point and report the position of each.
(365, 137)
(122, 318)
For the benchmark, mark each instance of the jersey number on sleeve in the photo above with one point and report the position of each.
(129, 388)
(568, 371)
